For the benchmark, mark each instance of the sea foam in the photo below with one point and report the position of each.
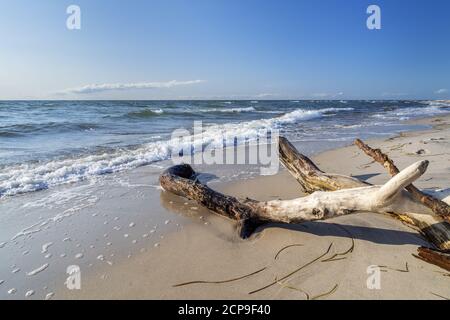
(407, 113)
(28, 177)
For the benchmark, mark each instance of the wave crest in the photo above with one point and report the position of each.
(32, 177)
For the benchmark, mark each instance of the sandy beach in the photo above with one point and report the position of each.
(131, 240)
(219, 150)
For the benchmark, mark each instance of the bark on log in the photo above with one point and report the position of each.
(181, 180)
(321, 205)
(310, 177)
(436, 257)
(411, 211)
(350, 195)
(438, 206)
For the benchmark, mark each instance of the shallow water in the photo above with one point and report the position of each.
(103, 223)
(48, 143)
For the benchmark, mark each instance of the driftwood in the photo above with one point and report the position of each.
(409, 210)
(181, 180)
(346, 195)
(438, 206)
(437, 257)
(308, 175)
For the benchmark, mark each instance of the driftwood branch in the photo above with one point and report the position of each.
(409, 210)
(434, 228)
(322, 205)
(181, 180)
(438, 206)
(310, 177)
(344, 195)
(437, 257)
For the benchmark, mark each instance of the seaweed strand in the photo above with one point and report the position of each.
(286, 247)
(221, 281)
(293, 272)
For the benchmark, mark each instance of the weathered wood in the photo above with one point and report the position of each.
(349, 195)
(409, 210)
(181, 180)
(310, 177)
(322, 205)
(438, 206)
(436, 257)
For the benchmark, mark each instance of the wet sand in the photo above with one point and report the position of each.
(133, 241)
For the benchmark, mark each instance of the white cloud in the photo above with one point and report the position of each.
(441, 91)
(265, 95)
(322, 95)
(93, 88)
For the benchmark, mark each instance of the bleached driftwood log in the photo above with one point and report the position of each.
(409, 210)
(321, 204)
(181, 180)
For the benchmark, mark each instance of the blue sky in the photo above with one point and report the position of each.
(224, 49)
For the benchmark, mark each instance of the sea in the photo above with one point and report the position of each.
(48, 143)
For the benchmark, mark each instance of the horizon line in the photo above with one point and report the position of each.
(422, 99)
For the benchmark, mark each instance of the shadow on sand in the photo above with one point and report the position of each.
(371, 234)
(320, 228)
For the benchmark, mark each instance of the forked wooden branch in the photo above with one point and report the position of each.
(438, 206)
(181, 180)
(409, 210)
(323, 205)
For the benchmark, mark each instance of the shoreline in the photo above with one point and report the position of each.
(218, 254)
(137, 242)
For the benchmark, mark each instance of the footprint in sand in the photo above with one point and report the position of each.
(49, 296)
(12, 291)
(422, 151)
(29, 293)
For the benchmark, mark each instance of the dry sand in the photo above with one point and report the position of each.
(133, 241)
(205, 247)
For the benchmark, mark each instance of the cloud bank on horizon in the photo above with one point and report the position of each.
(94, 88)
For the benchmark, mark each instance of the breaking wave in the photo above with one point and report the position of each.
(28, 177)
